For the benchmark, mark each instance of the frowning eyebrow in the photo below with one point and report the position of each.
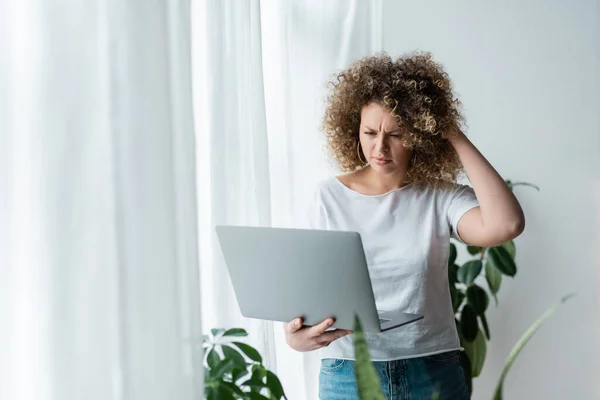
(375, 130)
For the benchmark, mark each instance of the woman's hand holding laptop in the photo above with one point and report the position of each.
(311, 338)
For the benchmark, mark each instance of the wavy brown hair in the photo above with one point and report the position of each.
(417, 91)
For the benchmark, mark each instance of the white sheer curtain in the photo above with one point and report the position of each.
(260, 73)
(99, 274)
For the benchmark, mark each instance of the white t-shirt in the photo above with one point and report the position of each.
(406, 236)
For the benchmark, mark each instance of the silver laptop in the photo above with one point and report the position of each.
(279, 274)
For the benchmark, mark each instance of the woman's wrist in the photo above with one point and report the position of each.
(456, 136)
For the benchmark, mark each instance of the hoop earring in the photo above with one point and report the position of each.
(358, 153)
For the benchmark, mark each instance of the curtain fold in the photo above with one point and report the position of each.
(100, 182)
(232, 143)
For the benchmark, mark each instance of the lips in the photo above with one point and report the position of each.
(381, 161)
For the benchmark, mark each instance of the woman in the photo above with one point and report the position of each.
(394, 126)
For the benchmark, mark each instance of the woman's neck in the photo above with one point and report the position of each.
(384, 182)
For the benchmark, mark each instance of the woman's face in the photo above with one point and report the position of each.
(381, 140)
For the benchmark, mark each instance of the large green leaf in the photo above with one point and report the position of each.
(523, 341)
(510, 247)
(249, 351)
(217, 331)
(474, 250)
(477, 298)
(233, 355)
(476, 351)
(274, 385)
(457, 297)
(223, 367)
(255, 383)
(452, 254)
(236, 332)
(218, 393)
(486, 328)
(256, 396)
(212, 359)
(494, 279)
(238, 373)
(232, 388)
(367, 380)
(452, 274)
(259, 372)
(468, 323)
(501, 259)
(469, 271)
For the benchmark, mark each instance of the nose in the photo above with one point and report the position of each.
(382, 145)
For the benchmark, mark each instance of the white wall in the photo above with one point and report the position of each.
(528, 74)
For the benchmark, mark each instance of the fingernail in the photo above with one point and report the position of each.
(297, 322)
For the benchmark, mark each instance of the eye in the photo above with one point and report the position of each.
(369, 133)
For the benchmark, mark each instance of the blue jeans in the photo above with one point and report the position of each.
(410, 379)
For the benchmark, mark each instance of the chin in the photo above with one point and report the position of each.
(384, 169)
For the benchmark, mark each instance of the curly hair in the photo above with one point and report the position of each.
(417, 91)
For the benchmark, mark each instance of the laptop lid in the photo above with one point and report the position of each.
(279, 274)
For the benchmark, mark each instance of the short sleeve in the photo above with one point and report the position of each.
(462, 200)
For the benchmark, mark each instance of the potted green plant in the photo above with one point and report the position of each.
(235, 370)
(471, 300)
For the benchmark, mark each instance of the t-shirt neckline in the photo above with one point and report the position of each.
(369, 195)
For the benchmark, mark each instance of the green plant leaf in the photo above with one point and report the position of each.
(494, 279)
(259, 370)
(236, 332)
(256, 396)
(523, 341)
(510, 247)
(233, 355)
(255, 383)
(212, 359)
(476, 351)
(238, 373)
(209, 393)
(217, 331)
(469, 271)
(457, 297)
(460, 335)
(223, 367)
(501, 259)
(525, 184)
(468, 323)
(477, 298)
(259, 373)
(249, 351)
(217, 393)
(232, 388)
(486, 328)
(452, 254)
(474, 250)
(274, 385)
(367, 380)
(452, 274)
